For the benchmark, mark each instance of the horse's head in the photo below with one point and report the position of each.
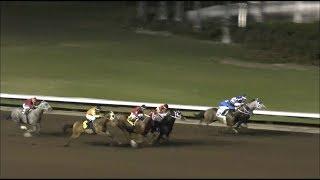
(44, 105)
(257, 104)
(176, 114)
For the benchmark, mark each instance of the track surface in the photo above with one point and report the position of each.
(193, 152)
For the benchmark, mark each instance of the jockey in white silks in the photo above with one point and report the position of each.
(225, 105)
(158, 115)
(162, 111)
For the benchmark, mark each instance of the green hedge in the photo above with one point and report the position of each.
(276, 42)
(284, 41)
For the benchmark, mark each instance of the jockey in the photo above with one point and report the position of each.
(158, 115)
(232, 103)
(92, 114)
(137, 114)
(162, 110)
(29, 104)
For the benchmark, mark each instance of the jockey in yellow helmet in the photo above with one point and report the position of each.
(93, 114)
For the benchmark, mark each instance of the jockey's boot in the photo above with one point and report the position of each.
(25, 111)
(91, 126)
(225, 112)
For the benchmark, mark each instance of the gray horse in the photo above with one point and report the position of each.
(234, 118)
(33, 120)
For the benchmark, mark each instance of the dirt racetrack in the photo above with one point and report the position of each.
(193, 152)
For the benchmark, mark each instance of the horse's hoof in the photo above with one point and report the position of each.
(133, 144)
(23, 127)
(27, 134)
(108, 133)
(243, 125)
(120, 143)
(235, 131)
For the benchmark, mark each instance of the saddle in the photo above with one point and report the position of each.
(84, 124)
(88, 125)
(131, 121)
(25, 116)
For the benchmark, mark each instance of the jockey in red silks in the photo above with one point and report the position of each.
(136, 114)
(29, 104)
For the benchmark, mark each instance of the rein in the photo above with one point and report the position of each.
(248, 112)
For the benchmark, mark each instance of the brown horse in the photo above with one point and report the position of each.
(234, 118)
(100, 126)
(140, 129)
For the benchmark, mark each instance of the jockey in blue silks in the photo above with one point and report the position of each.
(232, 103)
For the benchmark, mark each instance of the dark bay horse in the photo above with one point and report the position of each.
(234, 118)
(166, 126)
(100, 125)
(33, 118)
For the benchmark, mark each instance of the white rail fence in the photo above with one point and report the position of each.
(127, 103)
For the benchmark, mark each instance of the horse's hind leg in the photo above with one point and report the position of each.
(76, 132)
(66, 127)
(73, 137)
(38, 127)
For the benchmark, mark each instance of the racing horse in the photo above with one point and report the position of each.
(165, 126)
(32, 119)
(234, 118)
(140, 128)
(100, 127)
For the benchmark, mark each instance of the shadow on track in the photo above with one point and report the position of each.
(223, 132)
(177, 143)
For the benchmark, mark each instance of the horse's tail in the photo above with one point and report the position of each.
(9, 117)
(199, 115)
(66, 127)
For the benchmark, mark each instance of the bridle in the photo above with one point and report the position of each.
(177, 115)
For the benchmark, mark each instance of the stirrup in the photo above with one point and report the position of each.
(130, 122)
(134, 123)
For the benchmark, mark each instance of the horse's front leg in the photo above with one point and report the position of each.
(38, 127)
(32, 129)
(29, 131)
(22, 126)
(109, 134)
